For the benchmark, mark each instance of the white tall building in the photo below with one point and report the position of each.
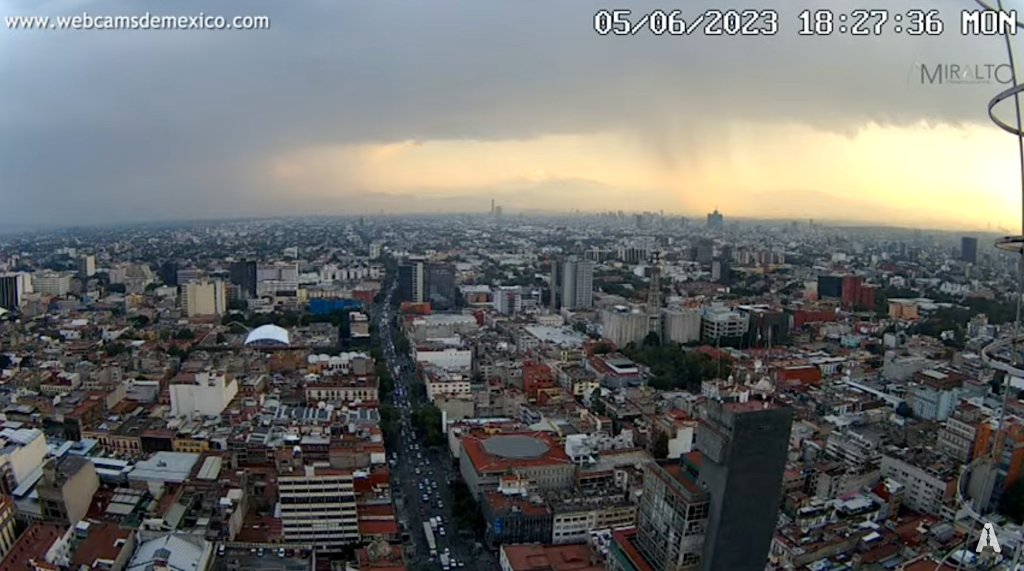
(204, 298)
(22, 451)
(450, 359)
(51, 283)
(208, 395)
(680, 325)
(577, 283)
(318, 506)
(272, 278)
(719, 321)
(86, 266)
(508, 299)
(623, 325)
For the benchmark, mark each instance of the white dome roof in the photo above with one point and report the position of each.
(270, 334)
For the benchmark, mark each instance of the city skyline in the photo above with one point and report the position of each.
(349, 109)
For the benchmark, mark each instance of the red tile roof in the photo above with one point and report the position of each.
(101, 543)
(577, 557)
(487, 463)
(33, 544)
(624, 540)
(378, 527)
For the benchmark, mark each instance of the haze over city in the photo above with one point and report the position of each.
(530, 285)
(406, 107)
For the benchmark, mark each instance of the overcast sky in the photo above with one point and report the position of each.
(356, 106)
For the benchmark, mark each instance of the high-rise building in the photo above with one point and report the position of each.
(744, 445)
(318, 507)
(672, 516)
(441, 285)
(720, 271)
(703, 252)
(851, 290)
(624, 325)
(8, 532)
(204, 298)
(86, 266)
(577, 283)
(508, 299)
(720, 322)
(411, 286)
(168, 273)
(185, 275)
(13, 288)
(274, 278)
(969, 249)
(375, 250)
(715, 220)
(830, 287)
(204, 394)
(243, 275)
(51, 283)
(553, 288)
(679, 325)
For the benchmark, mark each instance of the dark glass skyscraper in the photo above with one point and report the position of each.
(830, 286)
(744, 447)
(969, 249)
(715, 220)
(243, 275)
(411, 280)
(10, 291)
(441, 285)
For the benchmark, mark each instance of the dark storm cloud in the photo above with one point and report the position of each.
(110, 125)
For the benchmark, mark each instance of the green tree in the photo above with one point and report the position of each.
(659, 449)
(427, 421)
(113, 349)
(402, 345)
(467, 511)
(673, 368)
(385, 384)
(388, 421)
(652, 340)
(903, 409)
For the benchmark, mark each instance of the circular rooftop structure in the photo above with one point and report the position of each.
(268, 335)
(516, 447)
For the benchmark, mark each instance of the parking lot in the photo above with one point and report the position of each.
(238, 559)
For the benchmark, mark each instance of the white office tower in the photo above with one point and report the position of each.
(623, 325)
(680, 325)
(204, 394)
(205, 297)
(508, 299)
(51, 283)
(86, 266)
(272, 278)
(577, 283)
(318, 506)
